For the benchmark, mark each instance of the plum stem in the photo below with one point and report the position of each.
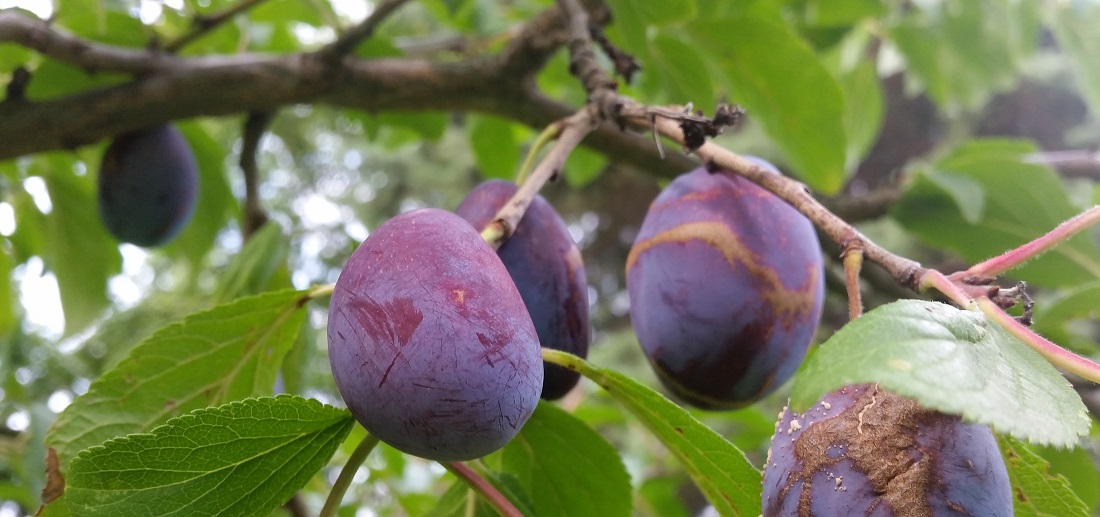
(478, 483)
(573, 129)
(852, 256)
(343, 481)
(1061, 233)
(319, 291)
(546, 136)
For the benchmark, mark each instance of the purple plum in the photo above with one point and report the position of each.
(547, 268)
(726, 288)
(429, 341)
(148, 186)
(864, 451)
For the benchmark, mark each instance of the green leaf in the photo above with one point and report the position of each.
(568, 468)
(1052, 316)
(421, 126)
(495, 148)
(583, 167)
(863, 110)
(227, 353)
(661, 496)
(78, 249)
(454, 503)
(112, 25)
(243, 458)
(832, 13)
(1079, 469)
(53, 79)
(950, 360)
(719, 469)
(1074, 27)
(252, 269)
(780, 81)
(8, 320)
(682, 69)
(632, 18)
(215, 203)
(964, 51)
(1022, 201)
(1037, 492)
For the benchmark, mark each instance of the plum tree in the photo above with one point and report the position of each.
(547, 268)
(864, 451)
(726, 289)
(429, 341)
(148, 185)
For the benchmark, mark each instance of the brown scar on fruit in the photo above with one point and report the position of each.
(459, 296)
(882, 451)
(791, 303)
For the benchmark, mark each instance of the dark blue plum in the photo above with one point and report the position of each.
(429, 341)
(864, 451)
(726, 288)
(148, 185)
(547, 268)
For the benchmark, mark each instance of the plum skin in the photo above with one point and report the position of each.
(546, 266)
(726, 289)
(429, 341)
(148, 186)
(864, 451)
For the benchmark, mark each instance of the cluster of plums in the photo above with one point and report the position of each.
(434, 342)
(148, 185)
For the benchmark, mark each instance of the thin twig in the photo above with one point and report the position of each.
(573, 130)
(583, 63)
(351, 38)
(482, 487)
(204, 24)
(1071, 163)
(254, 127)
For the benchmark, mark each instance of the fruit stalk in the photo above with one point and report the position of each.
(573, 129)
(853, 262)
(343, 481)
(1058, 235)
(483, 488)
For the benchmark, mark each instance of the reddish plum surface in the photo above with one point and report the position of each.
(546, 266)
(429, 341)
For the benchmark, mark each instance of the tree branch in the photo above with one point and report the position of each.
(254, 127)
(90, 56)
